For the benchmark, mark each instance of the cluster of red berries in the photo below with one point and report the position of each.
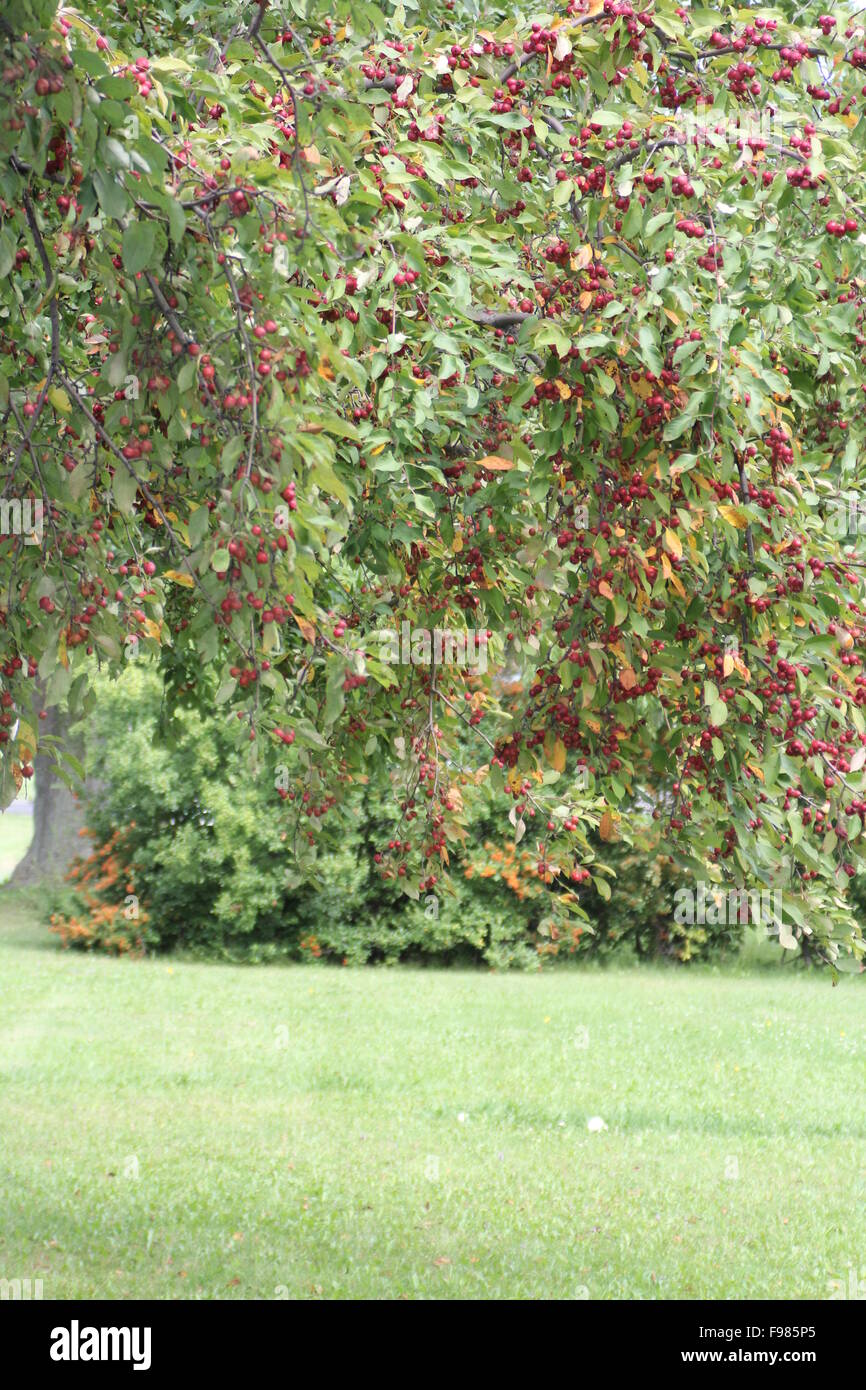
(690, 228)
(846, 228)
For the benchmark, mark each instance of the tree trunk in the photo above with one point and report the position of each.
(58, 815)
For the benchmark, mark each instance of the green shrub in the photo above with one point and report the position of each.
(202, 853)
(191, 854)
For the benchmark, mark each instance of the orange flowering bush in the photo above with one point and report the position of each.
(529, 879)
(102, 908)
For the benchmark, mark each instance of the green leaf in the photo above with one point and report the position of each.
(124, 488)
(111, 193)
(139, 244)
(176, 221)
(649, 349)
(7, 253)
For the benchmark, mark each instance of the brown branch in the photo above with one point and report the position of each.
(54, 312)
(296, 115)
(174, 322)
(649, 150)
(493, 318)
(744, 494)
(729, 48)
(252, 32)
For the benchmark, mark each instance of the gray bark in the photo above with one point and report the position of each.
(58, 814)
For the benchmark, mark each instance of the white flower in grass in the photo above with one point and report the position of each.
(596, 1124)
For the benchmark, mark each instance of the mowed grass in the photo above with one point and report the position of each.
(190, 1130)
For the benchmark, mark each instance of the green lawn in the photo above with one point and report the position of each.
(16, 832)
(209, 1131)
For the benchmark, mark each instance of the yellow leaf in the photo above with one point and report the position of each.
(180, 578)
(152, 629)
(735, 516)
(495, 463)
(667, 571)
(557, 758)
(306, 628)
(607, 827)
(60, 400)
(627, 678)
(26, 742)
(673, 543)
(61, 649)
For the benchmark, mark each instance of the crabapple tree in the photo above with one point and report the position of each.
(322, 324)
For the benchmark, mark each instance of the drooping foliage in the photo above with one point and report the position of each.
(181, 852)
(319, 323)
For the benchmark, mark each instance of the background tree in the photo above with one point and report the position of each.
(58, 809)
